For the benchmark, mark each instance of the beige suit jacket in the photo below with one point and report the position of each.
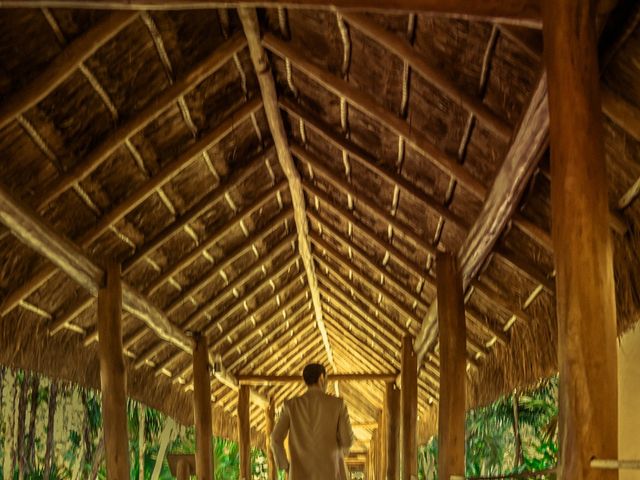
(320, 435)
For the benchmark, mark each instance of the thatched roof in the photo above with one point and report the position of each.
(153, 147)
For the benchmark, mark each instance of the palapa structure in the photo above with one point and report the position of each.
(263, 187)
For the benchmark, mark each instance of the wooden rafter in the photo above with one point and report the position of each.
(432, 74)
(281, 310)
(369, 105)
(519, 12)
(26, 225)
(191, 321)
(170, 170)
(63, 66)
(342, 377)
(249, 19)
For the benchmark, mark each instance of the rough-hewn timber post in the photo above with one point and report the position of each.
(113, 377)
(271, 463)
(202, 409)
(244, 433)
(585, 297)
(452, 329)
(392, 431)
(409, 401)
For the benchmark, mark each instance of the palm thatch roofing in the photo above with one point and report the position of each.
(141, 135)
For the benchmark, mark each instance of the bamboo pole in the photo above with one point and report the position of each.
(409, 411)
(113, 377)
(585, 299)
(244, 433)
(452, 367)
(202, 409)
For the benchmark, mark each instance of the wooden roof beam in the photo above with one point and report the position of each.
(280, 311)
(166, 173)
(370, 105)
(198, 209)
(365, 159)
(215, 345)
(402, 49)
(139, 120)
(253, 379)
(63, 65)
(518, 12)
(528, 144)
(266, 342)
(191, 321)
(251, 26)
(31, 230)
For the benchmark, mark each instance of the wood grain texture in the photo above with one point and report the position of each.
(520, 12)
(409, 412)
(261, 66)
(63, 66)
(452, 405)
(202, 409)
(244, 433)
(270, 414)
(113, 377)
(392, 431)
(585, 298)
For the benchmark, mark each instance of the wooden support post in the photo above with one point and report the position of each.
(183, 470)
(244, 433)
(452, 366)
(409, 411)
(202, 409)
(271, 463)
(113, 377)
(585, 297)
(392, 430)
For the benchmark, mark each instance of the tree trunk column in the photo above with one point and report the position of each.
(244, 433)
(202, 409)
(271, 463)
(451, 324)
(585, 296)
(409, 399)
(113, 378)
(392, 430)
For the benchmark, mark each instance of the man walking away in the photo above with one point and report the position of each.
(319, 429)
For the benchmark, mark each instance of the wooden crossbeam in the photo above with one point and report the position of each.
(251, 26)
(216, 345)
(369, 234)
(205, 203)
(166, 173)
(342, 377)
(429, 72)
(368, 161)
(518, 12)
(389, 298)
(139, 120)
(266, 340)
(63, 66)
(190, 257)
(369, 105)
(30, 229)
(191, 321)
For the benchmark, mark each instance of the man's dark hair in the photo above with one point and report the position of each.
(312, 372)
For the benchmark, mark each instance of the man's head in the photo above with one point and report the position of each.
(315, 374)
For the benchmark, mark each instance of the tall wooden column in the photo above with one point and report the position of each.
(452, 329)
(244, 433)
(392, 431)
(202, 409)
(409, 406)
(585, 297)
(271, 463)
(113, 377)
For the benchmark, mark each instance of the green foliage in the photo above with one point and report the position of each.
(490, 437)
